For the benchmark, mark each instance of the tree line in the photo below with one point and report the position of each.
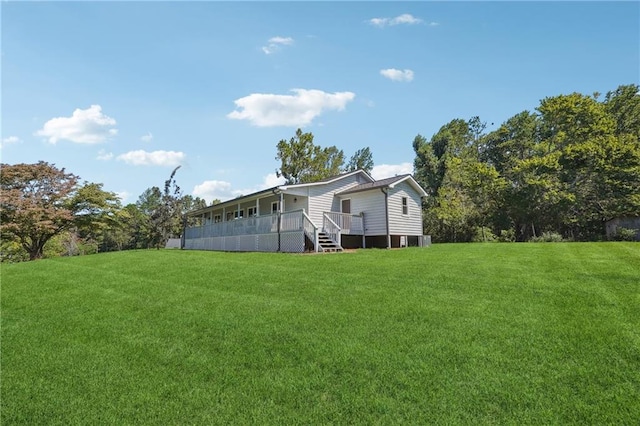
(559, 172)
(45, 211)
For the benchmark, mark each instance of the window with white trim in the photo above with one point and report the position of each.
(252, 211)
(239, 214)
(217, 218)
(229, 216)
(405, 206)
(274, 207)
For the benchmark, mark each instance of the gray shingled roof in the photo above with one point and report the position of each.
(377, 184)
(325, 180)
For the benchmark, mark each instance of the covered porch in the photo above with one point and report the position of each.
(226, 228)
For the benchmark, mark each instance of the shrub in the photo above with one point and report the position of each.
(507, 235)
(12, 251)
(483, 234)
(547, 237)
(625, 234)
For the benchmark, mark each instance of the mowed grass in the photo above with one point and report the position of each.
(452, 334)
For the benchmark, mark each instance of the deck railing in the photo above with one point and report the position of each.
(310, 230)
(289, 221)
(348, 223)
(331, 228)
(334, 224)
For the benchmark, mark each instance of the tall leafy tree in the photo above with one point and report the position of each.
(295, 157)
(566, 168)
(624, 106)
(35, 204)
(302, 161)
(325, 163)
(362, 159)
(40, 201)
(166, 217)
(96, 212)
(148, 231)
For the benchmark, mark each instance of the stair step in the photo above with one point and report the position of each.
(327, 244)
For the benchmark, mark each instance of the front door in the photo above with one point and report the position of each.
(346, 206)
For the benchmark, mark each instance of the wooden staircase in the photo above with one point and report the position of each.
(327, 245)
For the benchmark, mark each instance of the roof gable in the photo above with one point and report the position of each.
(280, 188)
(328, 180)
(387, 183)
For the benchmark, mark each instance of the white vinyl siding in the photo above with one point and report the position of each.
(322, 197)
(294, 202)
(405, 224)
(372, 204)
(264, 207)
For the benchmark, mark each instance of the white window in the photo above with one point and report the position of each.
(274, 207)
(405, 206)
(239, 214)
(217, 218)
(252, 211)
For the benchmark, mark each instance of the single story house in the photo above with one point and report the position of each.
(351, 210)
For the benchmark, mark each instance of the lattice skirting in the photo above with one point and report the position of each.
(290, 242)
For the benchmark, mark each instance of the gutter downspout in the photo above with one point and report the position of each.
(385, 191)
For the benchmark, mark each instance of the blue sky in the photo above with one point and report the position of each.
(121, 92)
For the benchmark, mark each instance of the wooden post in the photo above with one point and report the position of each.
(279, 224)
(364, 240)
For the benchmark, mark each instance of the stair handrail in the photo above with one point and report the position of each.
(334, 231)
(312, 236)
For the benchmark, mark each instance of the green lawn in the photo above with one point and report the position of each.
(467, 333)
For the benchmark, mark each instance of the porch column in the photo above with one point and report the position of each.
(364, 240)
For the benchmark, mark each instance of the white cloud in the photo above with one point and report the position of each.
(276, 43)
(104, 155)
(281, 40)
(434, 24)
(383, 171)
(210, 190)
(272, 180)
(404, 19)
(397, 75)
(147, 138)
(155, 158)
(84, 126)
(9, 141)
(123, 195)
(378, 22)
(266, 110)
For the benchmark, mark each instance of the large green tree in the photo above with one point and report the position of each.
(40, 201)
(362, 159)
(624, 106)
(301, 161)
(566, 168)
